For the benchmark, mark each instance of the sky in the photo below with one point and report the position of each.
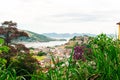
(62, 16)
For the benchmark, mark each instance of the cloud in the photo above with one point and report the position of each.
(78, 17)
(39, 15)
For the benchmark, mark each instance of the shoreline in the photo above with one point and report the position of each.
(43, 44)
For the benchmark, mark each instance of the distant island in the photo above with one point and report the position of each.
(66, 35)
(71, 35)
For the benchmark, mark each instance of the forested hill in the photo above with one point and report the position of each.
(34, 37)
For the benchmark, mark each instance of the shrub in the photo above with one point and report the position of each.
(41, 53)
(17, 62)
(25, 65)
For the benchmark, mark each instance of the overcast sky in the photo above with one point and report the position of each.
(62, 16)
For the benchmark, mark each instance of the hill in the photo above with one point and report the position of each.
(66, 35)
(35, 37)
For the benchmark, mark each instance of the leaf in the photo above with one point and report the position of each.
(4, 49)
(1, 41)
(3, 61)
(94, 77)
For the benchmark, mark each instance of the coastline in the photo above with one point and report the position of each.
(43, 44)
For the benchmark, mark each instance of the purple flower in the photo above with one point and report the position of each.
(78, 53)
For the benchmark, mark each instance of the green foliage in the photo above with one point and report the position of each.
(31, 48)
(3, 50)
(9, 73)
(2, 61)
(25, 64)
(1, 41)
(2, 47)
(104, 64)
(16, 66)
(73, 39)
(102, 42)
(41, 53)
(106, 52)
(68, 47)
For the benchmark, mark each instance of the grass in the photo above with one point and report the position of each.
(9, 73)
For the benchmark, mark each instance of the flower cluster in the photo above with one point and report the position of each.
(78, 53)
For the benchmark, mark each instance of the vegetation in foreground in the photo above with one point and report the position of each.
(99, 59)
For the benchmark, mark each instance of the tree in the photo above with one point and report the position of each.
(9, 31)
(15, 55)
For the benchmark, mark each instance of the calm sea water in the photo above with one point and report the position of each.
(45, 44)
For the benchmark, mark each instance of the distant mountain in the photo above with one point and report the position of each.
(66, 35)
(35, 37)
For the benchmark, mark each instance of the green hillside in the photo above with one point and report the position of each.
(35, 37)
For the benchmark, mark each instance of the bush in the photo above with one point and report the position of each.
(25, 65)
(41, 53)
